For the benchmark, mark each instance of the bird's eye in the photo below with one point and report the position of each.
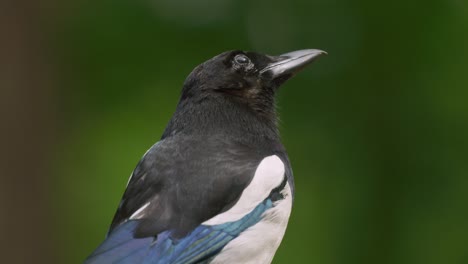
(241, 59)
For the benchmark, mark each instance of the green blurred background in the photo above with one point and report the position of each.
(376, 131)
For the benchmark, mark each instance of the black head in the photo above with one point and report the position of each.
(246, 77)
(237, 81)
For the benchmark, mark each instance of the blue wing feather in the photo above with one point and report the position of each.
(198, 246)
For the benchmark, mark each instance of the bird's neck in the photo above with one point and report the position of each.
(220, 115)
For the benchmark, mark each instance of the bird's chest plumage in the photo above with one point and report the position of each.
(258, 243)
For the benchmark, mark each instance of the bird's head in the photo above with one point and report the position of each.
(246, 77)
(236, 84)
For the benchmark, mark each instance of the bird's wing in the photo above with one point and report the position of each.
(183, 204)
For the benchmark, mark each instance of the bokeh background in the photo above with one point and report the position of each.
(376, 131)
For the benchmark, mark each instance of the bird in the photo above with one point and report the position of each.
(218, 186)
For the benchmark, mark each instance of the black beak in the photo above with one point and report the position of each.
(291, 63)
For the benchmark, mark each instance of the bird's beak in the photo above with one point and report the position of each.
(291, 62)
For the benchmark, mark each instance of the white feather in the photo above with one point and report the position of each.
(258, 244)
(139, 213)
(269, 175)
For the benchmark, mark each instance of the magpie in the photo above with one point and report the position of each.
(218, 186)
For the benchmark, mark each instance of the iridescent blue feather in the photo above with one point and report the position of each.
(199, 246)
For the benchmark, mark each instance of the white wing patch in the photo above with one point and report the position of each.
(258, 244)
(269, 175)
